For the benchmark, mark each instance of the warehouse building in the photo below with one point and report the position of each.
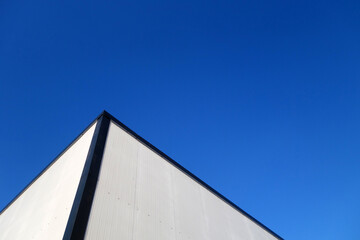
(110, 183)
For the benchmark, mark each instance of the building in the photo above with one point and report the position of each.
(110, 183)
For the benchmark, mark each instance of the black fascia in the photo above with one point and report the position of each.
(187, 172)
(80, 211)
(50, 164)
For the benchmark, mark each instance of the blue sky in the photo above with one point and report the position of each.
(260, 99)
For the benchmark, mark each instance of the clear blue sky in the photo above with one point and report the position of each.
(260, 99)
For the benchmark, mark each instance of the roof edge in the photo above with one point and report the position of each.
(187, 172)
(49, 165)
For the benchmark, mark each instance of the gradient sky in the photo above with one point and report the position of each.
(260, 99)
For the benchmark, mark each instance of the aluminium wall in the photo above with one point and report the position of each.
(42, 210)
(140, 195)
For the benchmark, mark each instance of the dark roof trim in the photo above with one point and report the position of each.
(49, 165)
(187, 172)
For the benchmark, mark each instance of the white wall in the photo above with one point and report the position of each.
(141, 196)
(42, 211)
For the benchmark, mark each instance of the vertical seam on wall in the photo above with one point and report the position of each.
(173, 202)
(203, 211)
(135, 190)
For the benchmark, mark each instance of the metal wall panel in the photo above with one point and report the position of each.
(142, 196)
(42, 210)
(112, 213)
